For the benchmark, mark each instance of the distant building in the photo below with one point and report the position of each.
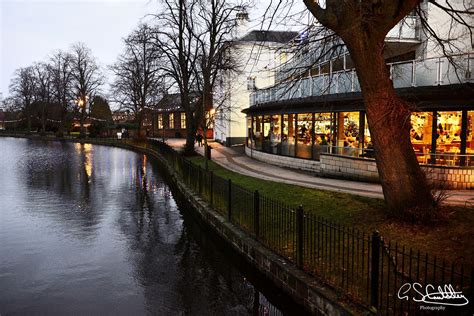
(123, 116)
(170, 117)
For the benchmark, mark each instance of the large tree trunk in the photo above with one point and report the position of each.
(405, 187)
(191, 129)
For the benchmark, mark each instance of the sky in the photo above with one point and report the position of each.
(31, 30)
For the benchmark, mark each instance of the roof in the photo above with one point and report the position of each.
(171, 103)
(268, 36)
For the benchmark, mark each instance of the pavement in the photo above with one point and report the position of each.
(235, 159)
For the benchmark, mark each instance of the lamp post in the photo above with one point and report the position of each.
(82, 102)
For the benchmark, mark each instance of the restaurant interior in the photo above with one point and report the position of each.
(438, 137)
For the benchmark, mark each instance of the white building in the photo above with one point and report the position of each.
(315, 110)
(254, 54)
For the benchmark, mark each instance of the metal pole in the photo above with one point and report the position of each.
(211, 184)
(299, 236)
(374, 272)
(229, 200)
(256, 206)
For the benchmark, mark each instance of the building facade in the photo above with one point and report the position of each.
(315, 107)
(254, 55)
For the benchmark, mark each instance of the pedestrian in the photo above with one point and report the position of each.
(199, 139)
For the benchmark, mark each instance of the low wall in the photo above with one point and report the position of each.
(284, 161)
(343, 167)
(361, 169)
(366, 170)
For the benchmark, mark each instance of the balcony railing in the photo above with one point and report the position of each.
(406, 30)
(414, 73)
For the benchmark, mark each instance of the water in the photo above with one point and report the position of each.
(93, 229)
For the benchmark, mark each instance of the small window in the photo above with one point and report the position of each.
(251, 83)
(183, 120)
(171, 118)
(160, 121)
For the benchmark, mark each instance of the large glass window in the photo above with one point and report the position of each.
(266, 133)
(322, 133)
(448, 141)
(469, 160)
(288, 135)
(304, 132)
(420, 134)
(257, 132)
(249, 131)
(348, 133)
(275, 134)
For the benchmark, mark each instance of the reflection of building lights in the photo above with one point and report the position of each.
(144, 161)
(87, 150)
(88, 159)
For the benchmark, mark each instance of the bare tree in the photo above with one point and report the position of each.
(138, 82)
(87, 79)
(61, 77)
(213, 33)
(175, 38)
(43, 90)
(22, 88)
(363, 26)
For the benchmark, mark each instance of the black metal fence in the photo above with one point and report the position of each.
(362, 267)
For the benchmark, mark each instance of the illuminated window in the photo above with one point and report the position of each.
(171, 119)
(160, 121)
(183, 120)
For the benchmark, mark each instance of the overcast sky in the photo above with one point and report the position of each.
(30, 30)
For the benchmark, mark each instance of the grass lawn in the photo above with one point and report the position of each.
(451, 240)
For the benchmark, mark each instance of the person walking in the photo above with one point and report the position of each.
(199, 140)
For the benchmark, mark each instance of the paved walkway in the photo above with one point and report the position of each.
(234, 159)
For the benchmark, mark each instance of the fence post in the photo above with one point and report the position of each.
(211, 184)
(229, 200)
(374, 272)
(256, 213)
(299, 236)
(199, 179)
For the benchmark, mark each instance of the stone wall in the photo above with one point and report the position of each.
(361, 169)
(366, 170)
(344, 167)
(451, 177)
(284, 161)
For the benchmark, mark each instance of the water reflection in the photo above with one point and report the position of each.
(91, 229)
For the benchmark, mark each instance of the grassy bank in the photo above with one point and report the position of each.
(451, 240)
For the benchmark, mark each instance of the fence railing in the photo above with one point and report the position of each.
(362, 267)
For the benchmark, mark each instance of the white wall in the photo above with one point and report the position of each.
(254, 60)
(446, 28)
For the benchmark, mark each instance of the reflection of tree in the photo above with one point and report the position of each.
(176, 273)
(64, 171)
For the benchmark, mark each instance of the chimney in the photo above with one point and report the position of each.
(241, 23)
